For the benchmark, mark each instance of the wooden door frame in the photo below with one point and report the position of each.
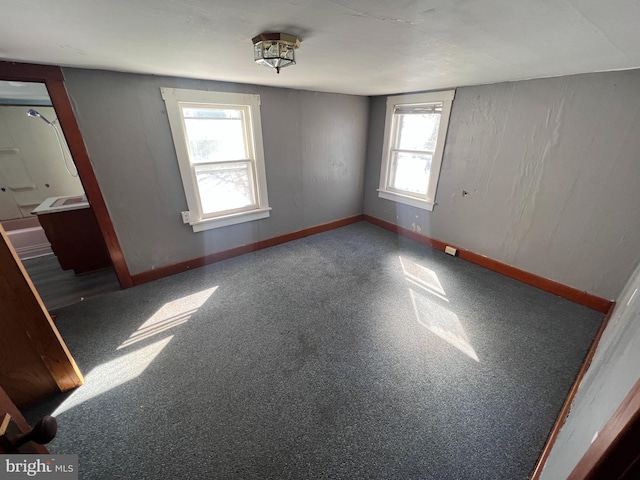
(53, 79)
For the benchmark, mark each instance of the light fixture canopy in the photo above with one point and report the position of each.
(275, 50)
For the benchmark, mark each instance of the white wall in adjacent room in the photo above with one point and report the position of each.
(32, 167)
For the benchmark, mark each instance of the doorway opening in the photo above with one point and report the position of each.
(43, 205)
(52, 79)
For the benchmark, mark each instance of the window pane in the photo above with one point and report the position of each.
(410, 172)
(214, 134)
(417, 132)
(226, 186)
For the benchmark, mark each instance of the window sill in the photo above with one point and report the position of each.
(406, 199)
(226, 220)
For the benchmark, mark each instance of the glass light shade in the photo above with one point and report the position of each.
(275, 50)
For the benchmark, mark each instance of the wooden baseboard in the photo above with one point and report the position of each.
(578, 296)
(566, 407)
(564, 291)
(167, 270)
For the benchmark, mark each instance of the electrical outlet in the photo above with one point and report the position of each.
(186, 217)
(450, 250)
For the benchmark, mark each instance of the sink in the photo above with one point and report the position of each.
(69, 201)
(62, 204)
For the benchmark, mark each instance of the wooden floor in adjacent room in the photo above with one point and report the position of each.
(59, 288)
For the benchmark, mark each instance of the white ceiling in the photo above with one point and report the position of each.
(365, 47)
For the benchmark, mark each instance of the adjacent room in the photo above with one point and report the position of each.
(43, 208)
(323, 240)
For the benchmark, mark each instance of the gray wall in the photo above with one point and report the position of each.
(553, 171)
(314, 146)
(612, 374)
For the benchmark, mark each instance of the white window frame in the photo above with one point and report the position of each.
(175, 99)
(427, 201)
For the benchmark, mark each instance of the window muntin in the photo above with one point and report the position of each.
(218, 142)
(415, 131)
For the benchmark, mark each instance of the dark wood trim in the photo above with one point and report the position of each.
(615, 450)
(566, 407)
(29, 72)
(167, 270)
(578, 296)
(53, 78)
(69, 125)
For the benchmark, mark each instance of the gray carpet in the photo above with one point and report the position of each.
(320, 358)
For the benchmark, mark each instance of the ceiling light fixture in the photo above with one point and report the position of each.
(275, 50)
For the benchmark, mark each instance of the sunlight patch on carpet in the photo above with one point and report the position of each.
(439, 319)
(112, 374)
(170, 315)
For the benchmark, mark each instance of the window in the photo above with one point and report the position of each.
(414, 135)
(218, 141)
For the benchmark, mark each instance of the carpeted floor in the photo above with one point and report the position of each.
(350, 354)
